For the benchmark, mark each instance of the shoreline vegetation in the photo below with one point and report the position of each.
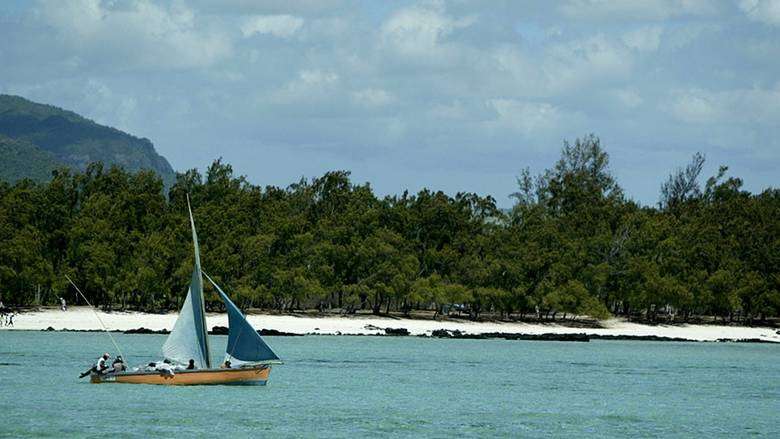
(82, 318)
(573, 245)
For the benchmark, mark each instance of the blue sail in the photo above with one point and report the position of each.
(244, 343)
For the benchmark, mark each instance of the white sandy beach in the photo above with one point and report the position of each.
(82, 318)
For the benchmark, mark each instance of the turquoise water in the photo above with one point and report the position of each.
(403, 387)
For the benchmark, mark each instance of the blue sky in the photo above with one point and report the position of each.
(454, 96)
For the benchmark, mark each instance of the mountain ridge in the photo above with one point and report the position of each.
(46, 132)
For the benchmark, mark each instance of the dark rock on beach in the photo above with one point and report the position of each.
(396, 331)
(275, 333)
(223, 330)
(638, 338)
(441, 333)
(143, 330)
(219, 330)
(444, 333)
(549, 337)
(745, 340)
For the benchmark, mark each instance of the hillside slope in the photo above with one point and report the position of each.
(52, 137)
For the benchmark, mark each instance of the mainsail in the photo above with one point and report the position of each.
(189, 338)
(244, 343)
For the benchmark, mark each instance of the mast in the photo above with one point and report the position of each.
(196, 288)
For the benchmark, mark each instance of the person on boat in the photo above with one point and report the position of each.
(99, 367)
(191, 365)
(118, 365)
(225, 365)
(166, 368)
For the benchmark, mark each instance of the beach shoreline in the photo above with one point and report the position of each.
(84, 319)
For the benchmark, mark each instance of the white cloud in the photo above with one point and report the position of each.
(644, 39)
(281, 26)
(308, 86)
(105, 104)
(755, 106)
(695, 106)
(372, 97)
(527, 118)
(636, 9)
(309, 78)
(559, 68)
(297, 7)
(679, 37)
(459, 77)
(92, 98)
(453, 110)
(135, 35)
(418, 30)
(766, 11)
(629, 98)
(595, 59)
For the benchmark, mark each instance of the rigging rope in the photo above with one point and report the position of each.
(99, 319)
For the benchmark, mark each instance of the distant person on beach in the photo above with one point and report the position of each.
(99, 367)
(191, 365)
(63, 305)
(10, 321)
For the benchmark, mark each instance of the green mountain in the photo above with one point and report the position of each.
(37, 138)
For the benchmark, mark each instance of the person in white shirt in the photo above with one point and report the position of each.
(165, 367)
(100, 366)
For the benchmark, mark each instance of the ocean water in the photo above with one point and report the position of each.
(403, 387)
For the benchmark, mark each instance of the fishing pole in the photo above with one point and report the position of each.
(99, 319)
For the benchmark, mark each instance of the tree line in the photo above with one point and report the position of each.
(574, 244)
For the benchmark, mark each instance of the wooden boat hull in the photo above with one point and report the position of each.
(257, 375)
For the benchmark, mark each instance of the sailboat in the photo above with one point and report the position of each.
(250, 358)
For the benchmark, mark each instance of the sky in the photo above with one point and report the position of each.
(453, 96)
